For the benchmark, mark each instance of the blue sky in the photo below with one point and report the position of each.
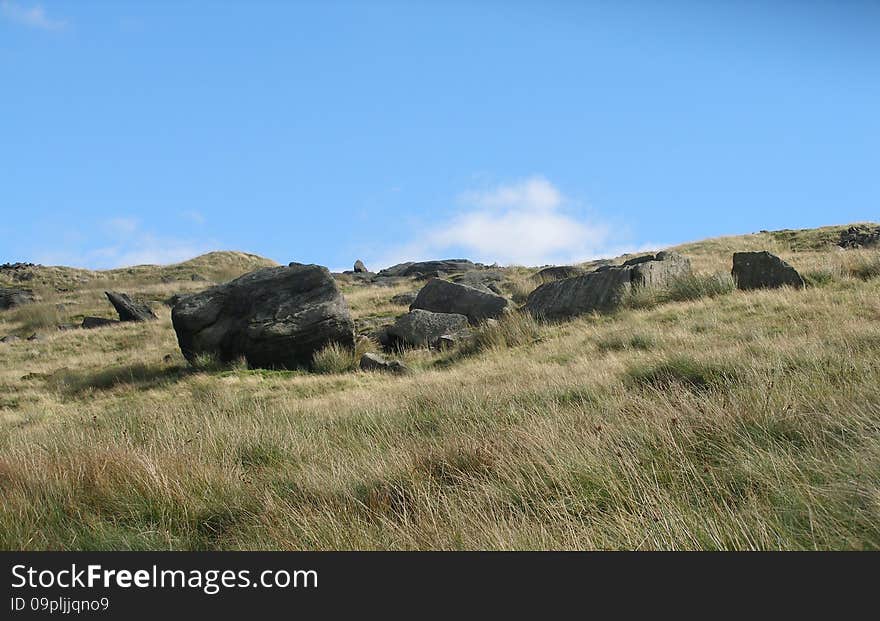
(522, 132)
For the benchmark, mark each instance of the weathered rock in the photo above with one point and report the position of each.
(274, 317)
(128, 309)
(375, 362)
(557, 272)
(603, 289)
(174, 299)
(405, 299)
(198, 278)
(12, 298)
(11, 338)
(485, 280)
(442, 296)
(36, 337)
(89, 323)
(63, 327)
(859, 236)
(427, 269)
(762, 270)
(446, 341)
(660, 269)
(359, 267)
(419, 328)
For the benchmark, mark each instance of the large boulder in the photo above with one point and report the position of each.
(604, 289)
(360, 267)
(275, 317)
(762, 270)
(488, 280)
(427, 269)
(557, 272)
(442, 296)
(420, 328)
(128, 309)
(660, 269)
(12, 298)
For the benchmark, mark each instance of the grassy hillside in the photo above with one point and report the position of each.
(702, 419)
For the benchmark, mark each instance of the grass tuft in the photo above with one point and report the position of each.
(334, 358)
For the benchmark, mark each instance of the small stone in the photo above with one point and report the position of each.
(375, 362)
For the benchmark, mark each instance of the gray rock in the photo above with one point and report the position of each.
(484, 280)
(275, 317)
(557, 272)
(446, 341)
(762, 270)
(428, 269)
(89, 323)
(12, 298)
(359, 267)
(404, 299)
(658, 270)
(375, 362)
(128, 309)
(603, 289)
(9, 339)
(389, 281)
(36, 337)
(63, 327)
(198, 278)
(420, 328)
(442, 296)
(174, 299)
(859, 236)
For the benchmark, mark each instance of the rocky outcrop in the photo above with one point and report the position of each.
(275, 317)
(603, 289)
(420, 328)
(557, 272)
(375, 362)
(128, 309)
(428, 269)
(658, 270)
(359, 267)
(762, 270)
(442, 296)
(859, 236)
(13, 298)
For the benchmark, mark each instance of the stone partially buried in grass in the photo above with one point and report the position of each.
(274, 317)
(762, 270)
(420, 328)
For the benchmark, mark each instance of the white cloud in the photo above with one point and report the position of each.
(35, 16)
(123, 243)
(527, 222)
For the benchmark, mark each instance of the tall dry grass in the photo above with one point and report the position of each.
(744, 420)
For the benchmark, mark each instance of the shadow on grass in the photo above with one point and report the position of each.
(142, 376)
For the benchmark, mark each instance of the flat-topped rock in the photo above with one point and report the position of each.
(442, 296)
